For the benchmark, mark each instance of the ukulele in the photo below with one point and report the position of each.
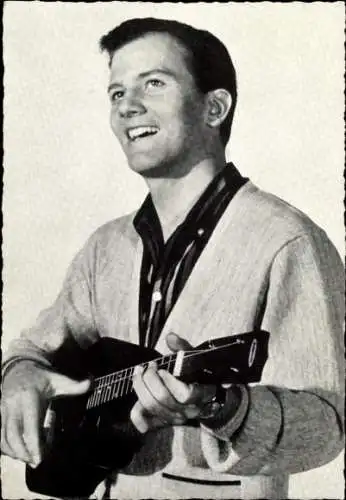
(88, 436)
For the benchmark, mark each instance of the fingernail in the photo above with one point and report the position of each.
(138, 370)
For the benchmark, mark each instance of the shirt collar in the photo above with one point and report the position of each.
(147, 220)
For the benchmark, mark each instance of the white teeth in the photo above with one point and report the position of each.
(134, 133)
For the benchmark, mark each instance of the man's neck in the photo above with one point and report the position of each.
(174, 197)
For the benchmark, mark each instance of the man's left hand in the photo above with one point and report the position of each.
(163, 399)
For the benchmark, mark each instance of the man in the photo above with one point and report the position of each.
(207, 255)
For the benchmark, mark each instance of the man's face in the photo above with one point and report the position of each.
(157, 113)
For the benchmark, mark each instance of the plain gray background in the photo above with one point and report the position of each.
(65, 174)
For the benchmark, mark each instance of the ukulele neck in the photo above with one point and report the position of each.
(119, 384)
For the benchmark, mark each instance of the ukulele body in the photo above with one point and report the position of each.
(82, 447)
(84, 444)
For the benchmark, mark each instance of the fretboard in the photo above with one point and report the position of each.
(118, 384)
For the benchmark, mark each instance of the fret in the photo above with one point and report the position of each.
(89, 402)
(108, 393)
(103, 392)
(107, 388)
(95, 394)
(100, 392)
(128, 380)
(119, 377)
(127, 376)
(163, 361)
(93, 398)
(166, 361)
(111, 386)
(98, 396)
(122, 383)
(115, 386)
(171, 359)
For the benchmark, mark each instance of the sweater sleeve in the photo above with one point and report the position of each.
(294, 417)
(65, 326)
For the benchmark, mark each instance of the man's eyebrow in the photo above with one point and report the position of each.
(164, 71)
(144, 74)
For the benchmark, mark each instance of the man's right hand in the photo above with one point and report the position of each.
(26, 393)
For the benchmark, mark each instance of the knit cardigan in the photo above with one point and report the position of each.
(266, 265)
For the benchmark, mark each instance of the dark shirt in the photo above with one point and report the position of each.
(167, 266)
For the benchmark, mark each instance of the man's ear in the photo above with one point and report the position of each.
(218, 105)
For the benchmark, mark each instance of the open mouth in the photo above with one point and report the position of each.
(140, 132)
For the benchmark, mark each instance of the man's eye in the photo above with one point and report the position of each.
(116, 95)
(154, 83)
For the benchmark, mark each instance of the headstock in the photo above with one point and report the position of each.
(234, 359)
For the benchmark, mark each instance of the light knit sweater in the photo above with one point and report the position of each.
(266, 265)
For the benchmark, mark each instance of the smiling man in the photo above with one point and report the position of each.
(207, 255)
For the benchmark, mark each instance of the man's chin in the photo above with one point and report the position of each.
(146, 168)
(141, 167)
(169, 168)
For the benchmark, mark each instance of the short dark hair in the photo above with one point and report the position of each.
(208, 59)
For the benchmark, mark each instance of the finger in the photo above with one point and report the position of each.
(156, 386)
(181, 392)
(142, 420)
(176, 343)
(13, 443)
(192, 397)
(32, 429)
(154, 397)
(65, 386)
(138, 419)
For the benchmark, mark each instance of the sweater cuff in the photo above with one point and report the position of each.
(9, 364)
(230, 418)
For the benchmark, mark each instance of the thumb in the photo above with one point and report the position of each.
(65, 386)
(176, 343)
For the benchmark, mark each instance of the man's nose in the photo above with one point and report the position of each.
(131, 105)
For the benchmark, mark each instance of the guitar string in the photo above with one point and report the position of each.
(122, 384)
(119, 386)
(165, 361)
(187, 354)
